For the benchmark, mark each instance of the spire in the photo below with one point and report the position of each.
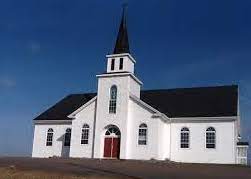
(122, 43)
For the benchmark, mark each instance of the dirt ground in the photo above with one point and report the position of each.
(55, 168)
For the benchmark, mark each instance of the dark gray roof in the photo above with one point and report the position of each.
(194, 102)
(66, 106)
(181, 102)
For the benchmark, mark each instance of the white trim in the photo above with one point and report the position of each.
(68, 121)
(145, 136)
(204, 119)
(189, 141)
(86, 128)
(215, 138)
(120, 55)
(156, 113)
(73, 114)
(111, 74)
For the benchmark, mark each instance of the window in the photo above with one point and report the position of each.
(142, 134)
(184, 138)
(67, 137)
(210, 138)
(121, 63)
(85, 134)
(49, 137)
(242, 154)
(112, 64)
(112, 130)
(113, 99)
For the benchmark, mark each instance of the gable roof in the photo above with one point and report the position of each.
(66, 106)
(216, 101)
(194, 102)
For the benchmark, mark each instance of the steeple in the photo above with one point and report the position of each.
(121, 61)
(122, 43)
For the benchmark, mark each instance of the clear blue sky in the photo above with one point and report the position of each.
(51, 48)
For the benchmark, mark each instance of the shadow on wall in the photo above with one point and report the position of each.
(65, 150)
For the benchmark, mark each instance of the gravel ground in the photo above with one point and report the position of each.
(93, 168)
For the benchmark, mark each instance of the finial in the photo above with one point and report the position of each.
(124, 6)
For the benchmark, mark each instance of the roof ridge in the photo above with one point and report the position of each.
(89, 93)
(201, 87)
(163, 89)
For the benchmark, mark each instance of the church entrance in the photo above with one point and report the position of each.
(112, 143)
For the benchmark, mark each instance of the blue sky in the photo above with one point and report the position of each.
(51, 48)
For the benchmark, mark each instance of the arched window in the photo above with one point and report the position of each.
(85, 134)
(67, 137)
(113, 130)
(113, 99)
(49, 139)
(184, 138)
(142, 140)
(210, 138)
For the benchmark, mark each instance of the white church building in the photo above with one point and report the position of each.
(121, 121)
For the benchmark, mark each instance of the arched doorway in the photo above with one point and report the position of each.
(112, 142)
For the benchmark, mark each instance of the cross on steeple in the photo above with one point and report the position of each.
(122, 43)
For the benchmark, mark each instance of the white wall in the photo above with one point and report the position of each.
(165, 139)
(39, 142)
(134, 87)
(85, 116)
(128, 64)
(103, 118)
(198, 153)
(138, 115)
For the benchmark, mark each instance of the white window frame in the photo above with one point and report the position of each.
(49, 137)
(85, 134)
(113, 100)
(184, 135)
(207, 141)
(242, 154)
(142, 139)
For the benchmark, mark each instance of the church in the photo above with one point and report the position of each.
(121, 121)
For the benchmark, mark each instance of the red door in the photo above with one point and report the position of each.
(115, 147)
(111, 147)
(107, 147)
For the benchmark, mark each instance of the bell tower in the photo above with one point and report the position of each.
(115, 87)
(121, 60)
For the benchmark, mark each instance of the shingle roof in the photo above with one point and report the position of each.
(66, 106)
(194, 102)
(181, 102)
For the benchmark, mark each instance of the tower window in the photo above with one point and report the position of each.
(112, 64)
(121, 63)
(113, 99)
